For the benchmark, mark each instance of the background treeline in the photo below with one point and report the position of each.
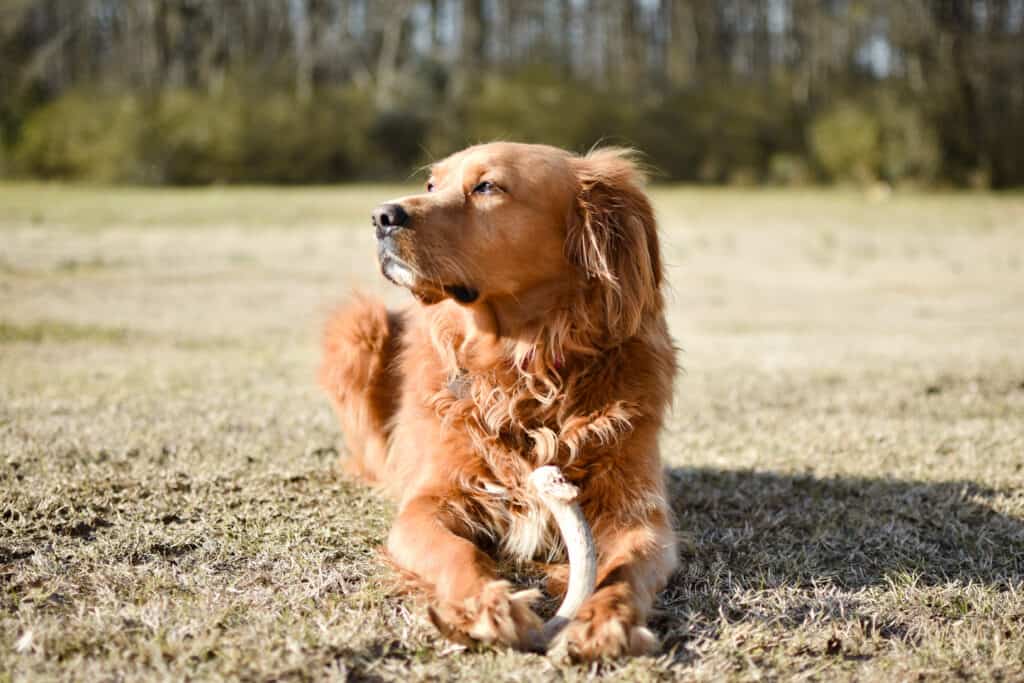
(746, 91)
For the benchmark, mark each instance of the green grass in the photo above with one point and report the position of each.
(845, 455)
(56, 331)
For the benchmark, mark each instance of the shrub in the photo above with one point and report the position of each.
(846, 142)
(241, 136)
(789, 169)
(672, 133)
(398, 139)
(715, 132)
(712, 132)
(82, 136)
(536, 105)
(879, 138)
(910, 145)
(321, 140)
(195, 138)
(189, 137)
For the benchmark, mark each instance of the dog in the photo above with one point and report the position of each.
(537, 337)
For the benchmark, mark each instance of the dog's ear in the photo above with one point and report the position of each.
(614, 237)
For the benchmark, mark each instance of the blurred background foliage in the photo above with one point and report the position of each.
(717, 91)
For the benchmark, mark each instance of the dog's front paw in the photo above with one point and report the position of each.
(496, 616)
(605, 628)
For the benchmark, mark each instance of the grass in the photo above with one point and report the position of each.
(56, 331)
(845, 457)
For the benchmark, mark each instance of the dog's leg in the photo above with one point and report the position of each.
(360, 374)
(636, 561)
(471, 603)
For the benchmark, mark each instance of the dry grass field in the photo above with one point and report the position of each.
(846, 455)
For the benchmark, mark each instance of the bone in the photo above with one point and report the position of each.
(559, 496)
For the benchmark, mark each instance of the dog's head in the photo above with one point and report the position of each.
(531, 226)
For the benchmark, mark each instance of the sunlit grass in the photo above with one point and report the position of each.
(844, 454)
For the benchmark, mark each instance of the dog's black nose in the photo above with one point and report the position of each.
(388, 218)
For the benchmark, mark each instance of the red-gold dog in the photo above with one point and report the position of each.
(538, 338)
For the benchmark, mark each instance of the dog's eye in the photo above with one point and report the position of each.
(430, 186)
(486, 187)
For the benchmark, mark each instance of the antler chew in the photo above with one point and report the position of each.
(559, 496)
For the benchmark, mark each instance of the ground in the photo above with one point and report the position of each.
(845, 452)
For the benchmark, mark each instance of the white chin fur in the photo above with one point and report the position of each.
(399, 273)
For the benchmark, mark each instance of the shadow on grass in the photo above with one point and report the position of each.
(748, 531)
(788, 536)
(852, 531)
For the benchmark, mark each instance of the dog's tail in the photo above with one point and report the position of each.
(355, 345)
(359, 371)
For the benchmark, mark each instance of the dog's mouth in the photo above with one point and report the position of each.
(402, 274)
(432, 295)
(398, 271)
(462, 293)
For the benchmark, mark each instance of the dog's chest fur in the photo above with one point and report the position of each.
(509, 513)
(512, 423)
(521, 527)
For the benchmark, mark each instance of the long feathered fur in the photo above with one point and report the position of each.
(583, 386)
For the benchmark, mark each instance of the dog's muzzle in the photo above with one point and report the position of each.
(388, 220)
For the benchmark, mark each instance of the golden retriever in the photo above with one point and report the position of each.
(537, 338)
